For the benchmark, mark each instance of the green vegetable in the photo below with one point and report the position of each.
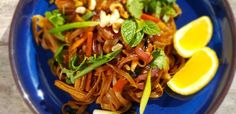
(87, 16)
(159, 59)
(58, 54)
(140, 24)
(168, 11)
(93, 66)
(151, 28)
(137, 39)
(133, 32)
(160, 8)
(94, 59)
(128, 29)
(135, 7)
(56, 18)
(146, 93)
(73, 61)
(74, 25)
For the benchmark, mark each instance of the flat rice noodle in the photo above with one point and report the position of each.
(79, 94)
(127, 59)
(144, 56)
(124, 74)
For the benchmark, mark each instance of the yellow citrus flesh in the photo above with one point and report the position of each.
(196, 73)
(193, 36)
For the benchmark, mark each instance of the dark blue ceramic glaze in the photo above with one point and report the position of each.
(33, 75)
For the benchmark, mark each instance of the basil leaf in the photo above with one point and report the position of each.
(135, 7)
(151, 28)
(128, 29)
(137, 39)
(159, 59)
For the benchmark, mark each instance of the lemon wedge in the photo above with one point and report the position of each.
(196, 73)
(193, 36)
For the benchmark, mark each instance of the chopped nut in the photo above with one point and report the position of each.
(104, 19)
(80, 10)
(92, 4)
(78, 3)
(120, 8)
(116, 26)
(114, 16)
(117, 47)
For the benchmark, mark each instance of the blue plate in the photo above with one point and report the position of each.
(35, 80)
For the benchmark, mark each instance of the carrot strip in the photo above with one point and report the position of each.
(78, 43)
(120, 84)
(88, 81)
(88, 54)
(149, 17)
(89, 44)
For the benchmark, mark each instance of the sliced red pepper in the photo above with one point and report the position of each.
(149, 17)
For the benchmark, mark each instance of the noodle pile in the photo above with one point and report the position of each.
(118, 83)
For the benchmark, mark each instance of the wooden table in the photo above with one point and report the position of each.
(10, 100)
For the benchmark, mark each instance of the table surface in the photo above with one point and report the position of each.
(10, 100)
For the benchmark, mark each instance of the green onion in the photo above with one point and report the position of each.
(146, 93)
(74, 25)
(93, 66)
(87, 16)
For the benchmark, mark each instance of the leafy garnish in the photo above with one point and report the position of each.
(135, 7)
(73, 62)
(151, 28)
(159, 59)
(128, 30)
(87, 16)
(74, 25)
(137, 39)
(58, 54)
(105, 59)
(133, 32)
(55, 17)
(163, 9)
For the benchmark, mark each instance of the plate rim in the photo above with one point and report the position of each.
(210, 110)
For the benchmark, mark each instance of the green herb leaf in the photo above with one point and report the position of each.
(74, 25)
(73, 62)
(87, 16)
(159, 59)
(140, 24)
(55, 17)
(135, 7)
(137, 39)
(94, 59)
(151, 28)
(58, 54)
(128, 29)
(107, 58)
(146, 93)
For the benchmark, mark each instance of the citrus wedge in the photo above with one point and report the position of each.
(196, 73)
(193, 36)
